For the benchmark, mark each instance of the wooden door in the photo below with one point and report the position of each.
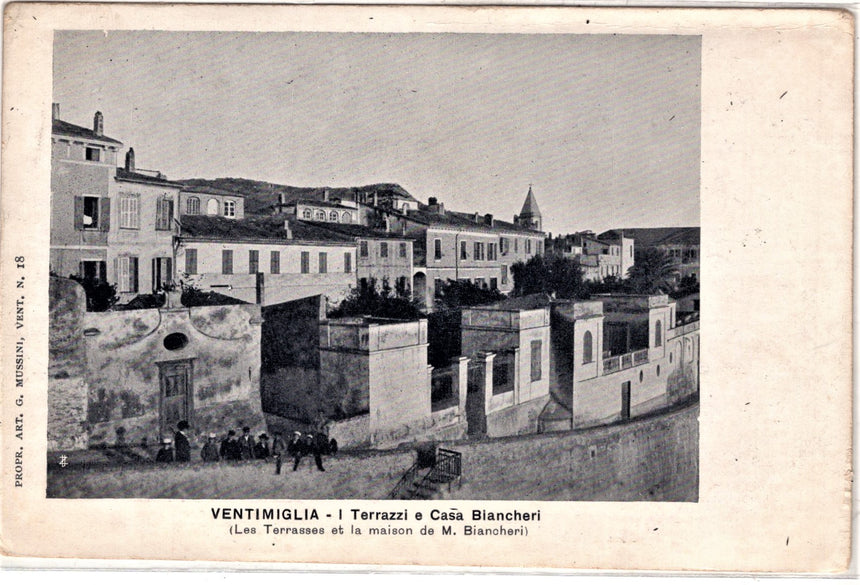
(176, 384)
(625, 400)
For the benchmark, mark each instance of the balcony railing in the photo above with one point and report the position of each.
(617, 363)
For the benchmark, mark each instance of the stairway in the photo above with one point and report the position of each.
(418, 484)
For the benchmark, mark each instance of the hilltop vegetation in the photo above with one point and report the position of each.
(260, 196)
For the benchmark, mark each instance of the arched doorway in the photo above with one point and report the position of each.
(419, 289)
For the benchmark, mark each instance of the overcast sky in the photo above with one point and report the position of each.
(606, 127)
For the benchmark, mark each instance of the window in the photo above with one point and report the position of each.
(504, 274)
(94, 154)
(229, 208)
(658, 334)
(437, 249)
(346, 217)
(481, 283)
(437, 287)
(491, 251)
(347, 262)
(212, 207)
(587, 348)
(403, 249)
(253, 261)
(226, 261)
(275, 262)
(192, 206)
(191, 261)
(306, 214)
(536, 360)
(162, 272)
(323, 262)
(126, 274)
(333, 216)
(306, 262)
(503, 246)
(319, 215)
(383, 249)
(479, 250)
(494, 283)
(90, 213)
(129, 211)
(528, 246)
(93, 270)
(364, 249)
(516, 245)
(164, 214)
(463, 254)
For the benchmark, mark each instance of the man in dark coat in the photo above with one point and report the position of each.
(314, 445)
(181, 442)
(165, 454)
(230, 447)
(261, 449)
(246, 445)
(210, 450)
(296, 449)
(279, 449)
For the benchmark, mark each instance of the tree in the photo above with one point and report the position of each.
(366, 300)
(652, 273)
(101, 296)
(550, 274)
(455, 294)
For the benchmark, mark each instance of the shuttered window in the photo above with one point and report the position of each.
(191, 261)
(275, 262)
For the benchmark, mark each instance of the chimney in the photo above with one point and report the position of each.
(98, 124)
(488, 219)
(55, 111)
(516, 219)
(325, 195)
(435, 207)
(476, 217)
(289, 232)
(129, 160)
(375, 199)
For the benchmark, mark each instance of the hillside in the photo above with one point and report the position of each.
(260, 196)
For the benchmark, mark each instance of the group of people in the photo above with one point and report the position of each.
(244, 448)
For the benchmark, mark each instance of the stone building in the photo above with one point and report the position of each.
(128, 377)
(597, 258)
(205, 200)
(265, 260)
(617, 357)
(681, 244)
(450, 245)
(140, 242)
(83, 166)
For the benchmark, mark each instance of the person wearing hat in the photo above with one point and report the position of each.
(261, 449)
(278, 450)
(310, 446)
(246, 444)
(230, 447)
(210, 449)
(296, 449)
(165, 454)
(182, 445)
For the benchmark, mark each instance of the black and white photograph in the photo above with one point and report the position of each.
(409, 266)
(408, 288)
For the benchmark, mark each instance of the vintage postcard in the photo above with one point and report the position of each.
(421, 286)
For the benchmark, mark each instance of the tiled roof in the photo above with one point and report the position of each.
(124, 175)
(465, 221)
(530, 206)
(649, 237)
(254, 228)
(67, 129)
(210, 191)
(359, 231)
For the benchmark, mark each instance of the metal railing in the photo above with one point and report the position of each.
(447, 468)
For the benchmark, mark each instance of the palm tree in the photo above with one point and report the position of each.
(653, 272)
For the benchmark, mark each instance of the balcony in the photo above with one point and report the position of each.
(617, 363)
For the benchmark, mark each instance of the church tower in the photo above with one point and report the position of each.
(530, 216)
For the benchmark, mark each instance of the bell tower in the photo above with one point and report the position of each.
(530, 216)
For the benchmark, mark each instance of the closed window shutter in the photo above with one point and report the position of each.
(168, 272)
(102, 271)
(104, 214)
(116, 272)
(79, 217)
(155, 276)
(169, 215)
